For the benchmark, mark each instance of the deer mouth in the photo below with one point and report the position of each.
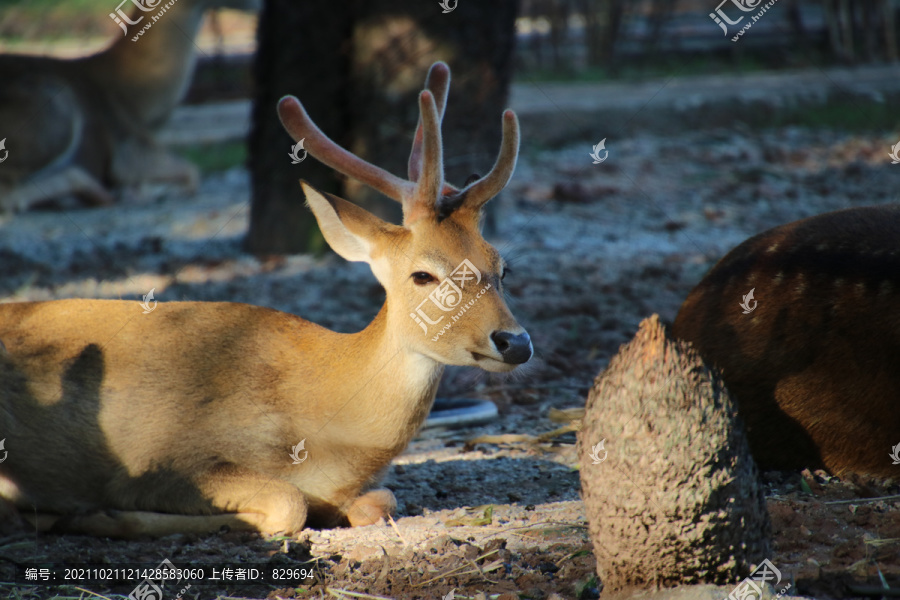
(490, 363)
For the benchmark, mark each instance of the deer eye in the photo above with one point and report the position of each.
(504, 273)
(422, 278)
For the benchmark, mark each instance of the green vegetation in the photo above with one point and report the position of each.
(655, 67)
(69, 7)
(859, 115)
(215, 157)
(52, 20)
(661, 65)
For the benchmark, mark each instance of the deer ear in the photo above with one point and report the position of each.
(351, 231)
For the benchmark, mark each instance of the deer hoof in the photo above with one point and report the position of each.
(371, 507)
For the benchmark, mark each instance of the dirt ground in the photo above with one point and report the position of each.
(593, 250)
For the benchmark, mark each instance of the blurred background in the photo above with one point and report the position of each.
(656, 136)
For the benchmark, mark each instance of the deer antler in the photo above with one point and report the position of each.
(438, 83)
(426, 188)
(430, 182)
(477, 193)
(298, 124)
(493, 183)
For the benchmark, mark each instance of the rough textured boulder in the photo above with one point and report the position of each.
(676, 499)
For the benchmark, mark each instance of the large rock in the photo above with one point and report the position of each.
(675, 497)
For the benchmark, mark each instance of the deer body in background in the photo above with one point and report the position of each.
(814, 360)
(120, 423)
(83, 128)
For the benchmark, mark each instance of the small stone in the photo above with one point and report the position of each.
(471, 552)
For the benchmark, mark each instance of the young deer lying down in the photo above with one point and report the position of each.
(119, 423)
(814, 359)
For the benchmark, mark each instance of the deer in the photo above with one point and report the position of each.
(802, 322)
(84, 128)
(203, 415)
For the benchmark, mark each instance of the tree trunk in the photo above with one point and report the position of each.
(846, 20)
(890, 34)
(559, 32)
(615, 15)
(593, 31)
(358, 68)
(310, 62)
(832, 20)
(661, 12)
(795, 20)
(603, 26)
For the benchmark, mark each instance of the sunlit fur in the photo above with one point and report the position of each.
(120, 423)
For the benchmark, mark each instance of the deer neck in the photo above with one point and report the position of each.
(148, 77)
(391, 387)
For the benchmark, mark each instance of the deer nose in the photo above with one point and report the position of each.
(514, 348)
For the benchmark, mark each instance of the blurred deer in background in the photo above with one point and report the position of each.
(814, 359)
(84, 128)
(119, 423)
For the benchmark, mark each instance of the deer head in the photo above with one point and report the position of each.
(443, 281)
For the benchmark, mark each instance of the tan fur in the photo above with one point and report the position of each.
(815, 366)
(123, 423)
(84, 128)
